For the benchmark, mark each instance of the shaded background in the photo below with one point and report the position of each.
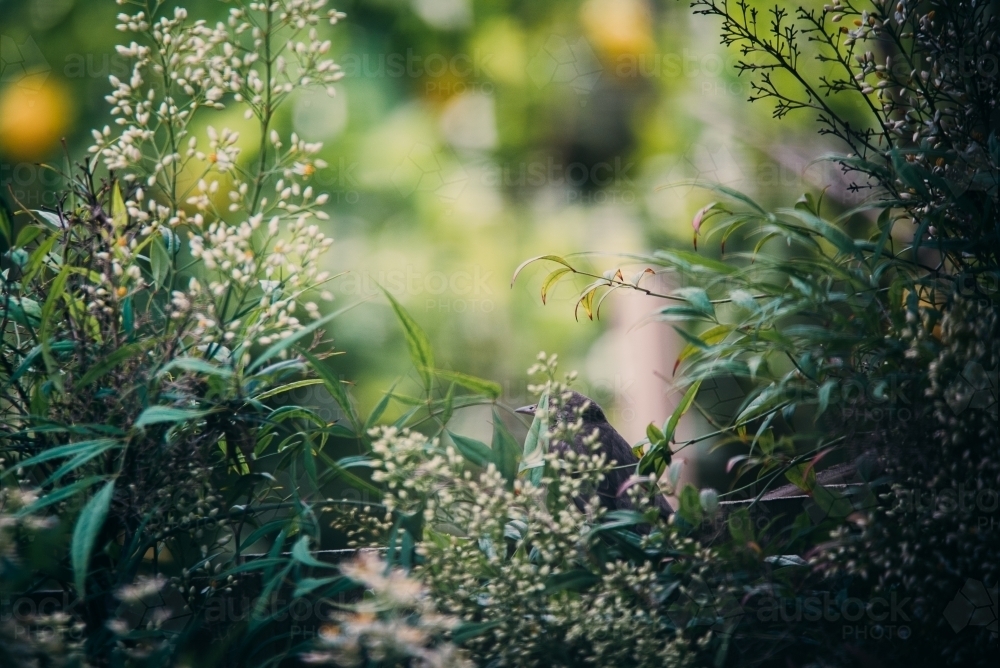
(467, 136)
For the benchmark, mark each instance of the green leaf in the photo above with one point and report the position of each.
(690, 505)
(195, 365)
(506, 451)
(448, 405)
(336, 389)
(474, 451)
(698, 298)
(159, 262)
(288, 388)
(478, 385)
(587, 302)
(6, 229)
(694, 262)
(307, 585)
(27, 234)
(654, 434)
(88, 525)
(23, 311)
(574, 580)
(119, 214)
(552, 279)
(56, 292)
(161, 414)
(470, 630)
(79, 460)
(59, 495)
(802, 476)
(536, 444)
(824, 396)
(70, 450)
(686, 401)
(286, 342)
(301, 554)
(379, 409)
(113, 360)
(416, 341)
(551, 258)
(37, 258)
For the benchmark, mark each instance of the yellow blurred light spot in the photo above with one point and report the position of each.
(213, 157)
(33, 120)
(122, 242)
(618, 27)
(500, 48)
(122, 291)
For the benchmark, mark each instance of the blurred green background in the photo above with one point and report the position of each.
(467, 136)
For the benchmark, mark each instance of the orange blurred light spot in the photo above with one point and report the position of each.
(618, 27)
(33, 120)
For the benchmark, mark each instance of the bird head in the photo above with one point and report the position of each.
(575, 405)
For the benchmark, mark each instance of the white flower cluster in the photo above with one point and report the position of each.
(260, 254)
(397, 624)
(491, 548)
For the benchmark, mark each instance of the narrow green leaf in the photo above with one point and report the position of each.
(159, 262)
(575, 580)
(417, 342)
(506, 451)
(287, 342)
(78, 461)
(552, 279)
(23, 311)
(195, 365)
(301, 554)
(119, 214)
(59, 495)
(69, 450)
(686, 401)
(55, 294)
(474, 451)
(288, 388)
(27, 234)
(379, 408)
(161, 414)
(698, 298)
(307, 585)
(478, 385)
(114, 359)
(551, 258)
(802, 476)
(88, 525)
(470, 630)
(336, 389)
(536, 444)
(448, 405)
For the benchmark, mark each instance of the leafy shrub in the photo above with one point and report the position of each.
(151, 322)
(848, 346)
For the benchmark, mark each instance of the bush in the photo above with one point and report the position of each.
(151, 323)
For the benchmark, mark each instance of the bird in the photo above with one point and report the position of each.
(612, 444)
